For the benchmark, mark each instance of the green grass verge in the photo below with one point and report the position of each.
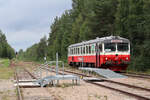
(148, 71)
(4, 62)
(5, 71)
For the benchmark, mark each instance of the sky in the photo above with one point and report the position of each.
(25, 22)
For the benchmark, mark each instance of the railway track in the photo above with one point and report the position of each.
(143, 76)
(30, 74)
(139, 97)
(119, 90)
(23, 74)
(20, 97)
(124, 91)
(27, 75)
(113, 85)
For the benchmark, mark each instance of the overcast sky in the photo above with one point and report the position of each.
(24, 22)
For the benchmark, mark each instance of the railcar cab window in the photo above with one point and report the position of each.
(123, 46)
(110, 47)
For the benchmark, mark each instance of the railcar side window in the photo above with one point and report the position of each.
(74, 50)
(89, 49)
(110, 47)
(122, 47)
(93, 48)
(100, 47)
(83, 50)
(79, 50)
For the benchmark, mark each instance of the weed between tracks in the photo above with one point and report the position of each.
(5, 70)
(97, 97)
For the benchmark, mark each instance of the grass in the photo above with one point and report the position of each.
(148, 71)
(4, 62)
(138, 72)
(5, 71)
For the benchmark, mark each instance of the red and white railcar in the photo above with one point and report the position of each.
(112, 52)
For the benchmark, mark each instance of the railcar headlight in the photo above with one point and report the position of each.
(106, 58)
(127, 58)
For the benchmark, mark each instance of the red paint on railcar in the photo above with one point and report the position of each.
(112, 52)
(113, 62)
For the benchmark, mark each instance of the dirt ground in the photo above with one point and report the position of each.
(7, 90)
(145, 83)
(37, 94)
(86, 91)
(65, 90)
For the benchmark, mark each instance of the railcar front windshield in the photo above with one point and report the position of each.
(110, 47)
(122, 46)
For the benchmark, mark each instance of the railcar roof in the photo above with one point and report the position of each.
(102, 40)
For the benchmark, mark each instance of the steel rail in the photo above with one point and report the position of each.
(138, 76)
(18, 88)
(30, 74)
(133, 73)
(128, 85)
(110, 81)
(121, 91)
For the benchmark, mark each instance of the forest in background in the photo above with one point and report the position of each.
(6, 51)
(89, 19)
